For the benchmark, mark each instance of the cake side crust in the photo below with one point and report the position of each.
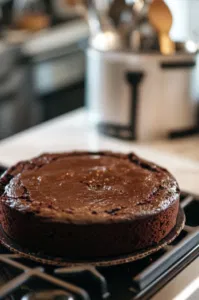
(112, 219)
(87, 241)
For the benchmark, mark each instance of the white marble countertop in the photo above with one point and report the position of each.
(73, 132)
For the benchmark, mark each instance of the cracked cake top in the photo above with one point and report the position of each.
(82, 187)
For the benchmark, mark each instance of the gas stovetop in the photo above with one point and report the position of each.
(149, 278)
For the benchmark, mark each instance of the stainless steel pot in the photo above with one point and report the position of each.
(141, 96)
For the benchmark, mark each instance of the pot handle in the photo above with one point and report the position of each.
(126, 132)
(177, 64)
(134, 79)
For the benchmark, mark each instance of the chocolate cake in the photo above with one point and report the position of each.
(87, 205)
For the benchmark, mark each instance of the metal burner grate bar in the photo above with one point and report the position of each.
(92, 271)
(13, 284)
(159, 282)
(7, 259)
(186, 201)
(172, 254)
(70, 287)
(28, 273)
(189, 229)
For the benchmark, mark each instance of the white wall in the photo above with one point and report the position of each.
(180, 12)
(186, 19)
(194, 19)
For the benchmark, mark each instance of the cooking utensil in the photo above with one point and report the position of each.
(161, 18)
(148, 38)
(143, 36)
(135, 36)
(125, 20)
(93, 21)
(102, 8)
(138, 6)
(135, 40)
(107, 39)
(116, 8)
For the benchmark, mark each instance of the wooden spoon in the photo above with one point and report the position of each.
(161, 19)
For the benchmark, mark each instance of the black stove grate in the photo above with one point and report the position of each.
(24, 279)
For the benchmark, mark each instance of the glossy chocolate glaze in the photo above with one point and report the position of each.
(89, 187)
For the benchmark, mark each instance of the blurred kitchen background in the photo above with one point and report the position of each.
(59, 55)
